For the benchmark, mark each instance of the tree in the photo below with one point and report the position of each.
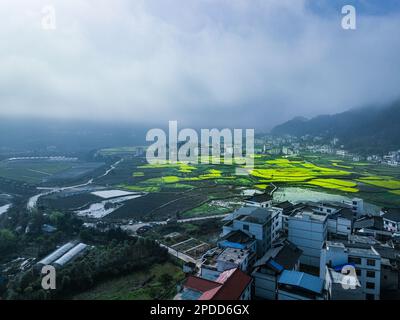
(166, 280)
(8, 241)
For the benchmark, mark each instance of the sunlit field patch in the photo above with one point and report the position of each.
(182, 167)
(284, 170)
(342, 185)
(335, 164)
(178, 186)
(185, 168)
(381, 181)
(261, 186)
(140, 188)
(138, 174)
(162, 180)
(212, 174)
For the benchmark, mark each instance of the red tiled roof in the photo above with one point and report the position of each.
(233, 285)
(225, 275)
(229, 285)
(208, 295)
(200, 284)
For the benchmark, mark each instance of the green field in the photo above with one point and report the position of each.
(117, 151)
(141, 285)
(179, 190)
(379, 183)
(208, 208)
(383, 182)
(38, 171)
(31, 171)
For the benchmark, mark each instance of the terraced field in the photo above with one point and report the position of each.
(38, 171)
(329, 174)
(178, 190)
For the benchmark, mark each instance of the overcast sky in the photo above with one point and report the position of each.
(225, 63)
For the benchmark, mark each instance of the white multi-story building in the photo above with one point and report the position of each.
(220, 260)
(308, 231)
(231, 258)
(391, 219)
(285, 210)
(339, 286)
(357, 206)
(263, 224)
(263, 200)
(341, 222)
(365, 259)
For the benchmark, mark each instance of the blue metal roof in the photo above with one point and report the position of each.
(233, 245)
(302, 280)
(340, 267)
(275, 265)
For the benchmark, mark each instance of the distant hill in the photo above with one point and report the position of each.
(363, 130)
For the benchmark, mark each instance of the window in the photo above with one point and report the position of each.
(358, 272)
(371, 274)
(329, 210)
(246, 227)
(354, 260)
(370, 262)
(370, 285)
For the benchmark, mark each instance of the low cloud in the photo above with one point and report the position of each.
(202, 62)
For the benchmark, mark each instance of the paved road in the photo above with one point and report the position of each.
(33, 200)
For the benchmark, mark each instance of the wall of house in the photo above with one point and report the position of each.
(357, 206)
(262, 234)
(286, 295)
(343, 226)
(276, 226)
(332, 225)
(246, 295)
(323, 209)
(209, 274)
(226, 230)
(389, 278)
(335, 256)
(223, 265)
(336, 291)
(309, 235)
(391, 226)
(339, 256)
(364, 279)
(339, 293)
(339, 226)
(265, 204)
(264, 285)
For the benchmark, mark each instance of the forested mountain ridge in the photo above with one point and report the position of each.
(364, 130)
